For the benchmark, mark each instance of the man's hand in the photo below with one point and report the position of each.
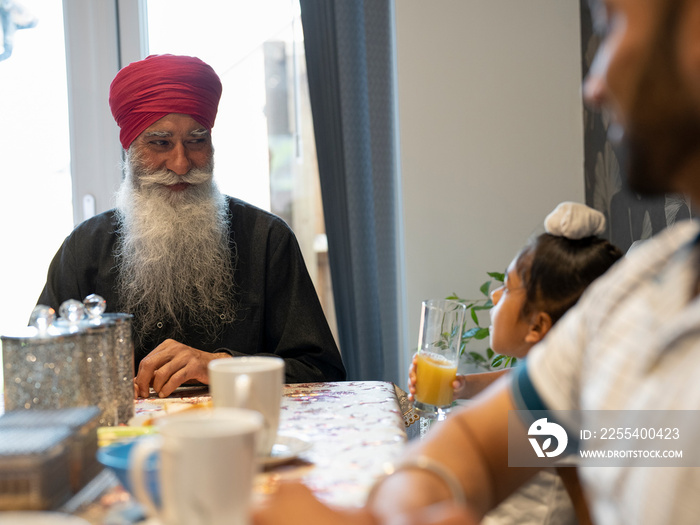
(170, 365)
(294, 504)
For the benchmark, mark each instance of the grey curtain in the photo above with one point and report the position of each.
(350, 65)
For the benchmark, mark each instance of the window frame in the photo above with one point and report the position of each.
(101, 37)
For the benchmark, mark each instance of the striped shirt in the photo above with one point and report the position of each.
(631, 343)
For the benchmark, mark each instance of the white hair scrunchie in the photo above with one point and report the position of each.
(574, 221)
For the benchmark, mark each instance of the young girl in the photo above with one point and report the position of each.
(542, 282)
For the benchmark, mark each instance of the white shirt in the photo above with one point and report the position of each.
(541, 501)
(632, 343)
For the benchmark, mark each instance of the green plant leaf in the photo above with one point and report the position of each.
(471, 332)
(500, 277)
(490, 353)
(477, 357)
(486, 306)
(474, 317)
(485, 288)
(482, 333)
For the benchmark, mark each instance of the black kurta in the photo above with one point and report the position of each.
(279, 312)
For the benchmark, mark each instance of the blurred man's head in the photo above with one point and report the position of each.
(647, 75)
(174, 259)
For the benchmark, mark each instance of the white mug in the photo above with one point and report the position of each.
(207, 467)
(253, 382)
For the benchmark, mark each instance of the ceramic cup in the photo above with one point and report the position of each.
(253, 382)
(207, 467)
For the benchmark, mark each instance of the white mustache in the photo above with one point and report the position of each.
(168, 178)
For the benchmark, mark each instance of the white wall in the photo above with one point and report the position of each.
(491, 134)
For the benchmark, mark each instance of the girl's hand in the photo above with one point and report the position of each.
(412, 377)
(459, 385)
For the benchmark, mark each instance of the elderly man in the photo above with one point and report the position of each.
(630, 345)
(204, 275)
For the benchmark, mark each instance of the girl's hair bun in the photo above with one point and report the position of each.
(574, 221)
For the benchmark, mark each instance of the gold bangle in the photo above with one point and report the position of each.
(429, 465)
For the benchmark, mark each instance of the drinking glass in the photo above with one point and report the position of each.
(439, 339)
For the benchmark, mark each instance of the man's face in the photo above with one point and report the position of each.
(638, 78)
(625, 27)
(174, 146)
(174, 259)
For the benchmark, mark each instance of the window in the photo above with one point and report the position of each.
(265, 150)
(36, 210)
(263, 136)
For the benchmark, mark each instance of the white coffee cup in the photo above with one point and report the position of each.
(253, 382)
(207, 467)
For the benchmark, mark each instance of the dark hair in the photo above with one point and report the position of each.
(555, 270)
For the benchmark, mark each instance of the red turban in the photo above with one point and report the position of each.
(147, 90)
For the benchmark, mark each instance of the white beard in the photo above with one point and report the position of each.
(173, 258)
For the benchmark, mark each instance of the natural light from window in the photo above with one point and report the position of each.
(36, 210)
(263, 136)
(265, 151)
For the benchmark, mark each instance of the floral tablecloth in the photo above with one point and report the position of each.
(355, 427)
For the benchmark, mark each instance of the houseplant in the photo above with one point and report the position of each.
(474, 330)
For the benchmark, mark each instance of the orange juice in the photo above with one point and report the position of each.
(434, 377)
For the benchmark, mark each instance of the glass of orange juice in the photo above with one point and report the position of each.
(439, 339)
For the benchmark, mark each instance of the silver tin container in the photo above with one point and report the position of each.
(122, 364)
(42, 369)
(90, 362)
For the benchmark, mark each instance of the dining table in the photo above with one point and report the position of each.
(351, 431)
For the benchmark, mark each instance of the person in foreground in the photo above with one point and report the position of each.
(630, 343)
(204, 275)
(544, 280)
